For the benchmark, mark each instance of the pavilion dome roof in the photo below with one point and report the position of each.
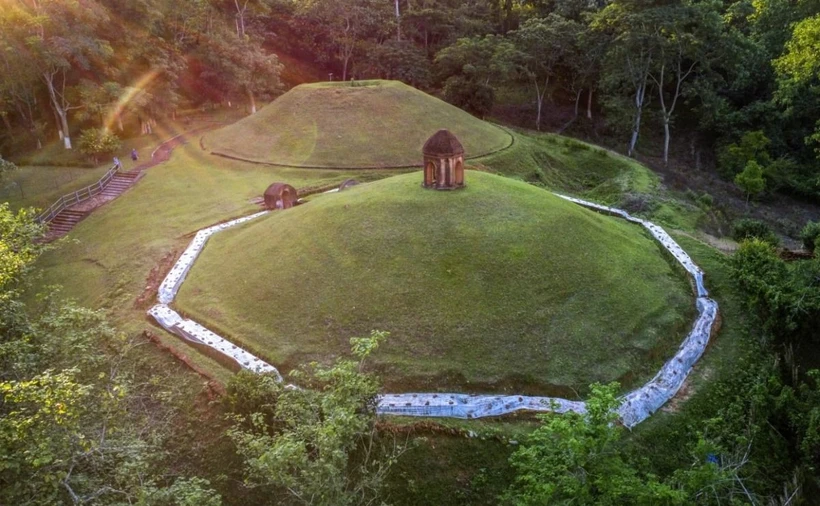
(443, 143)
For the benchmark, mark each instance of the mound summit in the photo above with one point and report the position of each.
(499, 286)
(366, 124)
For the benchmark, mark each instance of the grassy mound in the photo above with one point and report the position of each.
(500, 286)
(367, 124)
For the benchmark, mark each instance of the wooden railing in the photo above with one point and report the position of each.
(76, 197)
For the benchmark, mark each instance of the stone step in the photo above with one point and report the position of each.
(115, 191)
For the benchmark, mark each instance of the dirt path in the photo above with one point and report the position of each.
(161, 154)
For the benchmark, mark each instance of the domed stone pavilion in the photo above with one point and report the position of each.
(443, 162)
(280, 196)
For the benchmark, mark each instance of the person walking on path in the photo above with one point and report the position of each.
(134, 155)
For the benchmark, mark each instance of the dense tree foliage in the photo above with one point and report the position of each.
(318, 443)
(75, 426)
(712, 72)
(100, 63)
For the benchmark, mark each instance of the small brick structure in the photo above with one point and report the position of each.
(280, 196)
(443, 162)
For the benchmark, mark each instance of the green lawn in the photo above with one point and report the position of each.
(40, 186)
(107, 259)
(47, 174)
(570, 165)
(453, 470)
(372, 124)
(498, 287)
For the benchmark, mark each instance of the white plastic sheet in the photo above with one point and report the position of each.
(636, 407)
(189, 330)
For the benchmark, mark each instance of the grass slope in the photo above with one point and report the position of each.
(371, 124)
(500, 286)
(108, 259)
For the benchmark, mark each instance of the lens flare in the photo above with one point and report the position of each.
(128, 95)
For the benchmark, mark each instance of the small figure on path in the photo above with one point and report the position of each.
(134, 155)
(117, 163)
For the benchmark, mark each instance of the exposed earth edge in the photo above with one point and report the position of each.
(636, 406)
(343, 167)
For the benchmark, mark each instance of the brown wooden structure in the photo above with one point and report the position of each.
(280, 196)
(443, 162)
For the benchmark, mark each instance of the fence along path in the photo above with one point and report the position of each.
(72, 208)
(636, 406)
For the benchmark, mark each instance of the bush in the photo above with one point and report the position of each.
(753, 146)
(474, 97)
(705, 201)
(5, 166)
(810, 235)
(751, 180)
(746, 229)
(96, 142)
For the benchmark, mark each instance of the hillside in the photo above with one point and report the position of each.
(500, 286)
(366, 124)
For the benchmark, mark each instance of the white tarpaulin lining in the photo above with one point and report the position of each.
(637, 405)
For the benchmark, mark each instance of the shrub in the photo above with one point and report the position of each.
(5, 166)
(474, 97)
(753, 146)
(751, 179)
(96, 142)
(746, 228)
(810, 235)
(705, 201)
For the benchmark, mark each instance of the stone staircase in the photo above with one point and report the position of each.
(119, 183)
(63, 223)
(68, 218)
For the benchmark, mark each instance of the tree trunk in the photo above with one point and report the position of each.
(577, 101)
(7, 123)
(344, 69)
(589, 104)
(539, 100)
(119, 122)
(59, 111)
(64, 125)
(398, 21)
(640, 95)
(575, 117)
(666, 140)
(146, 127)
(253, 102)
(240, 19)
(59, 128)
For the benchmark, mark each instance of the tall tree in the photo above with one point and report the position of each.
(543, 44)
(799, 68)
(60, 40)
(319, 443)
(577, 458)
(636, 39)
(346, 23)
(687, 44)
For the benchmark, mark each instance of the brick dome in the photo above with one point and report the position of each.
(443, 143)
